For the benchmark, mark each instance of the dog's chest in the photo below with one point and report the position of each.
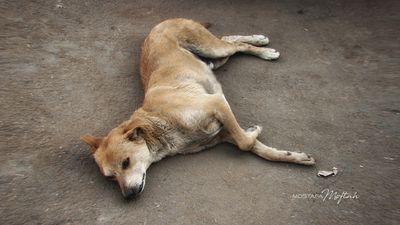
(198, 129)
(192, 132)
(189, 141)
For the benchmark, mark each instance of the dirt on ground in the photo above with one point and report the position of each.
(72, 67)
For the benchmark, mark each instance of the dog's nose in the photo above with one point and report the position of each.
(130, 193)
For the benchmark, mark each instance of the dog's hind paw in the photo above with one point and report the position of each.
(259, 40)
(269, 54)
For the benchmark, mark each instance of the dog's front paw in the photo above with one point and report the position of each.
(254, 131)
(303, 158)
(249, 139)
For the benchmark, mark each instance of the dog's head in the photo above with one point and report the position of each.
(124, 156)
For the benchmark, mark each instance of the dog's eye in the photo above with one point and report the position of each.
(125, 164)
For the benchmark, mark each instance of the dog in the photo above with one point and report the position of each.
(184, 109)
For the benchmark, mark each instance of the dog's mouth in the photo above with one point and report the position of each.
(141, 187)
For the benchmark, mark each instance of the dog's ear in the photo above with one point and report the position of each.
(94, 142)
(136, 134)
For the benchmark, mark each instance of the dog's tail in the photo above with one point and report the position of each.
(206, 24)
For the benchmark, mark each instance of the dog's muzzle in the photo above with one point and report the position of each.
(132, 192)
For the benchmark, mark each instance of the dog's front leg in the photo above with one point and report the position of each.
(273, 154)
(244, 139)
(247, 139)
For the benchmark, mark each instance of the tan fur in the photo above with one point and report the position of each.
(184, 109)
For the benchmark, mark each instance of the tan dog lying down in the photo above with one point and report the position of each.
(184, 109)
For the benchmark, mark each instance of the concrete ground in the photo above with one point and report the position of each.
(72, 67)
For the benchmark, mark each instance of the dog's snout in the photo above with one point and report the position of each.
(132, 192)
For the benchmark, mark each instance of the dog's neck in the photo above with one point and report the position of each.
(157, 132)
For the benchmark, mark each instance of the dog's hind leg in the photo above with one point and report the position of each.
(217, 63)
(201, 42)
(220, 49)
(256, 40)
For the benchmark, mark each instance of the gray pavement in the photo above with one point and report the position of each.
(72, 67)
